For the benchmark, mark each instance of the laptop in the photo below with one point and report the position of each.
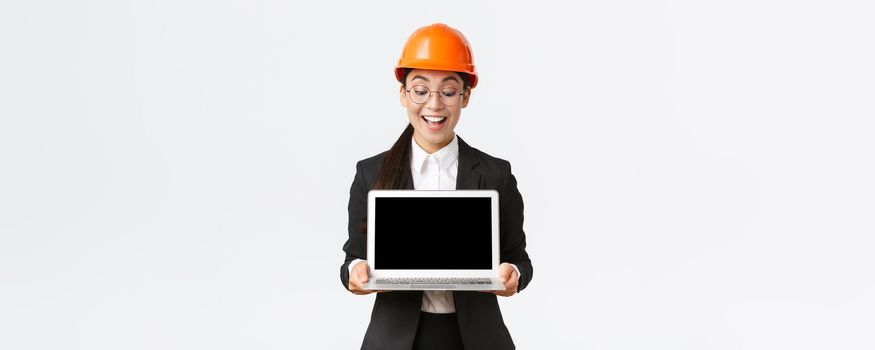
(433, 240)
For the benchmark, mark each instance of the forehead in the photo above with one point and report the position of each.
(433, 76)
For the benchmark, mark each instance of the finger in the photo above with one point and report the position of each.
(361, 271)
(354, 283)
(368, 291)
(361, 291)
(512, 288)
(505, 271)
(513, 282)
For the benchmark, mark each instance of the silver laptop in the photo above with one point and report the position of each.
(433, 240)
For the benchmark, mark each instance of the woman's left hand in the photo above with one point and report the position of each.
(507, 275)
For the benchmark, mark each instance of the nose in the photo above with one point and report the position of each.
(434, 101)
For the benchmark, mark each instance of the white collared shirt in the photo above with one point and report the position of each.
(435, 171)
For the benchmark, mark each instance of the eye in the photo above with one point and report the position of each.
(419, 90)
(449, 92)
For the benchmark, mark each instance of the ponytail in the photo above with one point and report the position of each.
(395, 169)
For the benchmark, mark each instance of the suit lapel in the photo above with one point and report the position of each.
(468, 177)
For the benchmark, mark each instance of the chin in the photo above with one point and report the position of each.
(436, 139)
(431, 138)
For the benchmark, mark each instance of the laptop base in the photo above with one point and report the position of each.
(494, 284)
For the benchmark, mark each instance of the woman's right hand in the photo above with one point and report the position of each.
(358, 276)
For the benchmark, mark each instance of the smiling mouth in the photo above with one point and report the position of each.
(434, 121)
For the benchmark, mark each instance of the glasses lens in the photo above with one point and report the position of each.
(418, 94)
(450, 97)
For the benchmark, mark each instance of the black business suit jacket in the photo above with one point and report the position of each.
(395, 314)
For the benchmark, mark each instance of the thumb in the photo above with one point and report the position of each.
(363, 274)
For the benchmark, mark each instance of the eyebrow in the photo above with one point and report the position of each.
(426, 79)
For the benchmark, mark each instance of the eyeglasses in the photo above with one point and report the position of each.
(420, 94)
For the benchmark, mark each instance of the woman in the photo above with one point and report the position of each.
(437, 73)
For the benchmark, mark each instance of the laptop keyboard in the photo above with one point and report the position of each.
(434, 281)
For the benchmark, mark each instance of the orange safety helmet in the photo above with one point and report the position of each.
(437, 47)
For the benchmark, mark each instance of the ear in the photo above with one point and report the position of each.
(466, 98)
(402, 96)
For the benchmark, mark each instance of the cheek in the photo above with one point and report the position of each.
(412, 114)
(455, 122)
(456, 115)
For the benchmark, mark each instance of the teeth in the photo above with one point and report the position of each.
(434, 119)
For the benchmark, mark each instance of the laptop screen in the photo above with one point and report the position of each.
(433, 233)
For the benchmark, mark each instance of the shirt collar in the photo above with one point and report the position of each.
(445, 156)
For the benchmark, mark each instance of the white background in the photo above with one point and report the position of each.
(175, 174)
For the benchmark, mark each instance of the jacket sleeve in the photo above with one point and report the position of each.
(513, 238)
(356, 243)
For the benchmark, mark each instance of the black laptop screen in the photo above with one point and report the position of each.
(433, 233)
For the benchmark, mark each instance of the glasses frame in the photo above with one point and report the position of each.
(440, 97)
